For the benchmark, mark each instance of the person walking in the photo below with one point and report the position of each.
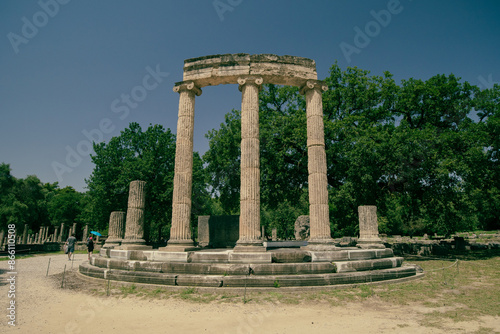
(70, 243)
(90, 246)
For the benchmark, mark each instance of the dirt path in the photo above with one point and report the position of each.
(43, 307)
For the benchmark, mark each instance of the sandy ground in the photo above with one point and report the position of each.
(43, 307)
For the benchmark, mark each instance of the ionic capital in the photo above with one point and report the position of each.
(313, 84)
(187, 86)
(250, 80)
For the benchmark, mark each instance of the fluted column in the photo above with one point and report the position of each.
(368, 227)
(86, 232)
(180, 232)
(134, 225)
(25, 234)
(250, 164)
(55, 234)
(61, 234)
(318, 185)
(116, 229)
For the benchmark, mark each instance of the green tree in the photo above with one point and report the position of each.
(139, 155)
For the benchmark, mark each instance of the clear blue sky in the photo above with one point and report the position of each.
(64, 63)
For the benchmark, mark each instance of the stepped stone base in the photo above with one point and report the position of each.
(225, 268)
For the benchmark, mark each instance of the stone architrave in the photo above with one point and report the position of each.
(368, 227)
(25, 234)
(320, 233)
(250, 236)
(134, 225)
(116, 229)
(180, 233)
(85, 232)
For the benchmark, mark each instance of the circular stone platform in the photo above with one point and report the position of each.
(224, 268)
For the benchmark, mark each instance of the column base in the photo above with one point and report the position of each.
(134, 244)
(370, 243)
(179, 246)
(327, 244)
(249, 246)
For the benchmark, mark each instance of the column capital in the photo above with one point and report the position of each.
(313, 84)
(250, 80)
(187, 86)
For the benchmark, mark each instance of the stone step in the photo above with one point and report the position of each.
(262, 281)
(258, 269)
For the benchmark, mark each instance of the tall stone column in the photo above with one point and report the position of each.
(250, 236)
(180, 233)
(134, 225)
(115, 229)
(46, 236)
(55, 234)
(368, 227)
(25, 234)
(86, 232)
(320, 234)
(2, 234)
(61, 234)
(73, 230)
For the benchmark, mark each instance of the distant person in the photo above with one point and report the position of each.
(90, 246)
(71, 245)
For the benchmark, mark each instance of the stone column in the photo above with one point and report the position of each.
(250, 236)
(320, 234)
(73, 230)
(2, 234)
(368, 227)
(55, 234)
(61, 234)
(180, 233)
(86, 232)
(46, 235)
(36, 238)
(25, 234)
(134, 226)
(116, 229)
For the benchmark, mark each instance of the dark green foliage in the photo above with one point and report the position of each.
(139, 155)
(424, 152)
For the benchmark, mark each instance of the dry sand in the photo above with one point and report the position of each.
(43, 307)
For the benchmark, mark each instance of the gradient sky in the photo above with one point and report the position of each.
(63, 65)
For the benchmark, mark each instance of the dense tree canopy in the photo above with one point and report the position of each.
(138, 155)
(424, 152)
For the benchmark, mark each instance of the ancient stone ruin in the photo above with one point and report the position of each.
(251, 262)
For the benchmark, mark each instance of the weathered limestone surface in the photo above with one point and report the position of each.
(318, 192)
(61, 234)
(180, 233)
(250, 163)
(134, 231)
(85, 232)
(368, 227)
(25, 234)
(227, 68)
(116, 229)
(302, 226)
